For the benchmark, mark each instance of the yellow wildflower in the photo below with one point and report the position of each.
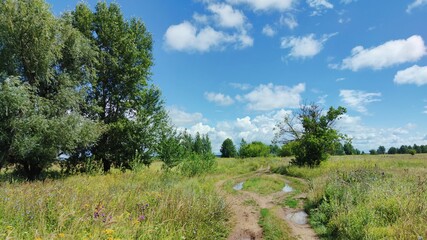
(109, 231)
(61, 235)
(9, 228)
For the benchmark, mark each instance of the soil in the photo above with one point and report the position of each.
(245, 209)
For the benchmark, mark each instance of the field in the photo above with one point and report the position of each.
(351, 197)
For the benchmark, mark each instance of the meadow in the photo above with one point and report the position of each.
(347, 197)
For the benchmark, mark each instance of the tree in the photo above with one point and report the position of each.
(228, 150)
(381, 150)
(317, 137)
(348, 148)
(286, 150)
(373, 152)
(392, 150)
(119, 94)
(242, 148)
(255, 149)
(40, 94)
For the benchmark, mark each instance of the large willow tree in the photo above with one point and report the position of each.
(43, 74)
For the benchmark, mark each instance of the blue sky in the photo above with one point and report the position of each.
(233, 68)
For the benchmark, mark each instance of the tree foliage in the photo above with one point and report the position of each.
(311, 133)
(119, 94)
(253, 149)
(41, 98)
(228, 150)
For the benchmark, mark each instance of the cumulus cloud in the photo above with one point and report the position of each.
(305, 47)
(200, 35)
(226, 16)
(358, 100)
(289, 21)
(365, 137)
(415, 4)
(187, 37)
(219, 98)
(270, 97)
(319, 6)
(182, 119)
(267, 30)
(412, 75)
(388, 54)
(266, 5)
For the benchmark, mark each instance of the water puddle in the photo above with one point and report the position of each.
(298, 217)
(287, 189)
(238, 186)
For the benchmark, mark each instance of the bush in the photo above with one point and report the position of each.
(254, 149)
(197, 164)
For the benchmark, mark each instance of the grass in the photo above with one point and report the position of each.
(273, 227)
(367, 197)
(132, 205)
(348, 197)
(264, 184)
(291, 202)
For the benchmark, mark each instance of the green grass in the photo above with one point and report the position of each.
(291, 202)
(132, 205)
(264, 184)
(273, 227)
(367, 197)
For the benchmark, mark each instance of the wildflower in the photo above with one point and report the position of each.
(141, 218)
(61, 235)
(38, 238)
(109, 231)
(9, 228)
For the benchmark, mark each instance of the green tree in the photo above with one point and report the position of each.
(381, 150)
(242, 148)
(373, 152)
(255, 149)
(41, 107)
(286, 150)
(317, 137)
(120, 95)
(348, 148)
(228, 150)
(392, 150)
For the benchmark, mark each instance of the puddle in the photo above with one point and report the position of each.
(298, 217)
(287, 189)
(238, 186)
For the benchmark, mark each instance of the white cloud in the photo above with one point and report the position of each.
(219, 98)
(186, 37)
(269, 97)
(181, 118)
(289, 21)
(386, 55)
(415, 4)
(200, 18)
(365, 138)
(266, 5)
(412, 75)
(226, 16)
(340, 79)
(241, 86)
(268, 31)
(425, 111)
(320, 4)
(358, 100)
(305, 47)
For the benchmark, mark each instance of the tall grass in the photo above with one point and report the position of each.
(132, 205)
(367, 197)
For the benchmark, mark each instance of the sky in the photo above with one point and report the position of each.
(235, 68)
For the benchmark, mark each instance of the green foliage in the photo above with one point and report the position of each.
(171, 152)
(381, 150)
(42, 67)
(373, 152)
(316, 139)
(254, 149)
(412, 152)
(392, 150)
(286, 150)
(197, 164)
(264, 185)
(119, 94)
(228, 150)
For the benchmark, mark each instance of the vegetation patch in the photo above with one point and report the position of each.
(264, 185)
(273, 227)
(291, 202)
